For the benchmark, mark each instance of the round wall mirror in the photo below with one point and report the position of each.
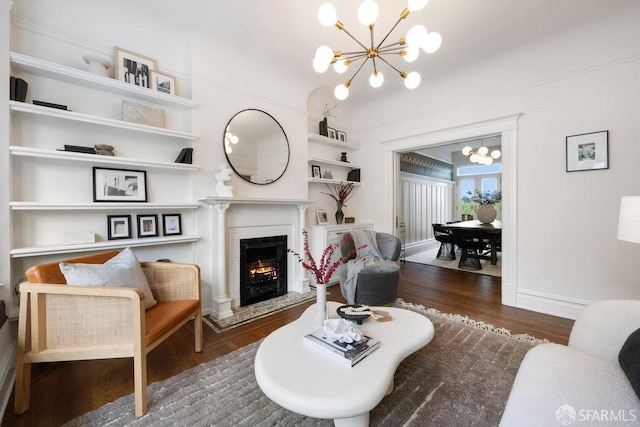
(256, 147)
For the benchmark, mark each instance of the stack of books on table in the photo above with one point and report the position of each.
(348, 353)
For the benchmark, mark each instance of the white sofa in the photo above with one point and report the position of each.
(559, 385)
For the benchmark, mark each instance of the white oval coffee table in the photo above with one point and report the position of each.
(304, 380)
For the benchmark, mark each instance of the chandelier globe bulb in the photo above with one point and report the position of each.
(414, 5)
(411, 53)
(327, 15)
(474, 158)
(496, 154)
(228, 149)
(341, 92)
(412, 80)
(340, 66)
(368, 12)
(376, 79)
(488, 160)
(417, 36)
(432, 42)
(466, 150)
(483, 151)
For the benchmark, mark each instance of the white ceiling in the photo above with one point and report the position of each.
(287, 32)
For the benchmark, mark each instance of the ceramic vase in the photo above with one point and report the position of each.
(321, 304)
(486, 214)
(339, 215)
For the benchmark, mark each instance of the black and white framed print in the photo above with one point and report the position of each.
(588, 151)
(133, 68)
(147, 225)
(118, 227)
(119, 185)
(171, 224)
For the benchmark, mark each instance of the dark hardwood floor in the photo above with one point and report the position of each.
(63, 391)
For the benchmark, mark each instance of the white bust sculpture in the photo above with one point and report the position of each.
(223, 176)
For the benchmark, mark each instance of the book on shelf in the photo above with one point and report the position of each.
(348, 353)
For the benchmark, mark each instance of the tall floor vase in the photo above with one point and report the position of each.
(321, 304)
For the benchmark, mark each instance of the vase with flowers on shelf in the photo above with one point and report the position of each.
(486, 202)
(340, 193)
(322, 271)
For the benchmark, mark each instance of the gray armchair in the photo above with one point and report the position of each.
(377, 283)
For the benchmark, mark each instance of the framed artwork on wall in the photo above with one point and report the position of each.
(322, 217)
(119, 185)
(133, 68)
(315, 171)
(331, 133)
(161, 82)
(588, 151)
(171, 225)
(118, 227)
(341, 136)
(147, 225)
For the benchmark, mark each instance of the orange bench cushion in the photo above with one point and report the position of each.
(163, 316)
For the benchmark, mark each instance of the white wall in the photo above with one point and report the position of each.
(584, 80)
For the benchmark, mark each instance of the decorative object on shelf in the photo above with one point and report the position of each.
(322, 217)
(17, 89)
(50, 105)
(486, 202)
(223, 176)
(97, 65)
(343, 157)
(349, 219)
(340, 193)
(162, 82)
(341, 136)
(407, 47)
(323, 126)
(171, 224)
(142, 114)
(147, 225)
(119, 185)
(331, 133)
(185, 156)
(321, 271)
(133, 68)
(327, 174)
(79, 149)
(118, 227)
(315, 171)
(481, 155)
(588, 151)
(354, 175)
(79, 238)
(104, 149)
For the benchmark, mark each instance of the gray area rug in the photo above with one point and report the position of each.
(429, 257)
(462, 378)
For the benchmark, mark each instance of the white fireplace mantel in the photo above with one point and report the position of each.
(222, 302)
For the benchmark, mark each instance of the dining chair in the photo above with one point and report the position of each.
(473, 244)
(447, 246)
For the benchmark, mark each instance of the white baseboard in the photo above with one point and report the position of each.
(7, 366)
(555, 305)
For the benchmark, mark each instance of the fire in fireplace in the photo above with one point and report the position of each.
(263, 269)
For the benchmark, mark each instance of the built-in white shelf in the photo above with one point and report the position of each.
(34, 251)
(96, 159)
(333, 162)
(54, 113)
(40, 67)
(332, 181)
(320, 139)
(45, 206)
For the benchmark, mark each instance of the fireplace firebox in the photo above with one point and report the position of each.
(263, 269)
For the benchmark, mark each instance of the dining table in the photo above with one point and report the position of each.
(493, 233)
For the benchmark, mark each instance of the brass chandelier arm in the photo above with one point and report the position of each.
(350, 35)
(402, 16)
(402, 73)
(359, 68)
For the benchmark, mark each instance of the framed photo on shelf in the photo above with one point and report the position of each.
(315, 171)
(341, 136)
(119, 185)
(322, 217)
(588, 151)
(171, 225)
(118, 227)
(332, 133)
(161, 82)
(133, 68)
(147, 225)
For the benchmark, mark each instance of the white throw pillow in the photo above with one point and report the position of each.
(123, 270)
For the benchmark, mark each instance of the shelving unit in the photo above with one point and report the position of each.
(51, 194)
(322, 160)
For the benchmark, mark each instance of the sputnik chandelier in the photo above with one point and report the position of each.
(229, 139)
(407, 47)
(481, 155)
